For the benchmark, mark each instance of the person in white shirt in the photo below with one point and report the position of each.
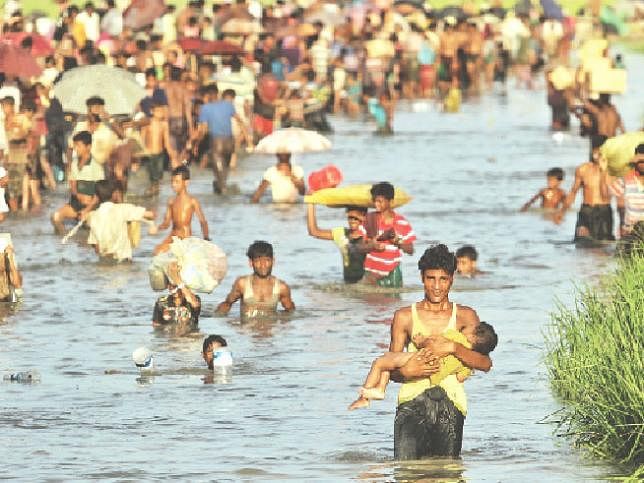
(286, 181)
(112, 23)
(91, 21)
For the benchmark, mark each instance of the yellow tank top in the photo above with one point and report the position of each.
(412, 389)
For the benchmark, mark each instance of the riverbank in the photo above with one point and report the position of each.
(595, 364)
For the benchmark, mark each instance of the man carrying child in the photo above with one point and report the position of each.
(429, 418)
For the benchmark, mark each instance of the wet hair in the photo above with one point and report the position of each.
(104, 190)
(259, 248)
(213, 338)
(211, 89)
(555, 173)
(84, 137)
(384, 189)
(438, 257)
(639, 149)
(486, 338)
(182, 171)
(228, 93)
(357, 208)
(597, 141)
(151, 72)
(467, 251)
(95, 101)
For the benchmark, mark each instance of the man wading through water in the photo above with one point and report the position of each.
(429, 419)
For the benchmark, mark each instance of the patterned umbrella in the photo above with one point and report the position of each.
(116, 86)
(293, 140)
(17, 62)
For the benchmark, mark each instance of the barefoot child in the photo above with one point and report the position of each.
(180, 211)
(552, 196)
(156, 140)
(482, 340)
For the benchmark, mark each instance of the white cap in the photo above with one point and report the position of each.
(142, 358)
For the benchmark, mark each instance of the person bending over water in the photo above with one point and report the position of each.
(349, 240)
(483, 340)
(429, 418)
(552, 196)
(260, 292)
(180, 211)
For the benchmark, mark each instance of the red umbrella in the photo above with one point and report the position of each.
(141, 13)
(17, 62)
(209, 47)
(40, 46)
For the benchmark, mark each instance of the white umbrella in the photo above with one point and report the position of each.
(116, 86)
(293, 140)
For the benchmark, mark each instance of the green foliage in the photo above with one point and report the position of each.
(596, 365)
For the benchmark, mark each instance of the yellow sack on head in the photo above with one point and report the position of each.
(354, 195)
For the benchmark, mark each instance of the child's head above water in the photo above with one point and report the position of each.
(180, 178)
(484, 339)
(210, 346)
(555, 176)
(466, 258)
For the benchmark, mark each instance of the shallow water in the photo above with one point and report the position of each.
(284, 415)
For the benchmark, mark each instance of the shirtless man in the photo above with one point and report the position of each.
(260, 292)
(156, 140)
(607, 120)
(429, 419)
(180, 211)
(449, 43)
(474, 49)
(179, 110)
(595, 218)
(17, 128)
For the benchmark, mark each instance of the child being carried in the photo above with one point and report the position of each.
(482, 339)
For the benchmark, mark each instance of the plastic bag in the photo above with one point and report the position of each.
(202, 265)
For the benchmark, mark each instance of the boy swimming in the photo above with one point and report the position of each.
(483, 339)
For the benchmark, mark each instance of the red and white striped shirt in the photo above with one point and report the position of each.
(382, 263)
(632, 190)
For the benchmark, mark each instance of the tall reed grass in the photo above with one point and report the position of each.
(595, 360)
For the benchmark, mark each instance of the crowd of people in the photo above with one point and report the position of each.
(217, 80)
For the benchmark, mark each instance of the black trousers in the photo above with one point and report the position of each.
(429, 425)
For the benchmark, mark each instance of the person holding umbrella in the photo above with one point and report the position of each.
(287, 181)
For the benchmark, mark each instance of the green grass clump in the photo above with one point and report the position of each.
(595, 361)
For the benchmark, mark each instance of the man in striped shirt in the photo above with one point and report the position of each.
(391, 235)
(629, 191)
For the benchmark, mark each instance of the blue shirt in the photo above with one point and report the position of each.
(218, 115)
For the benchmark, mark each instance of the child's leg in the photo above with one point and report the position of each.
(389, 361)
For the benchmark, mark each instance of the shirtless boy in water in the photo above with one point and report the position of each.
(156, 140)
(552, 196)
(260, 292)
(180, 211)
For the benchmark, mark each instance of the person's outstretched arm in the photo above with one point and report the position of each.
(312, 225)
(259, 191)
(531, 201)
(235, 294)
